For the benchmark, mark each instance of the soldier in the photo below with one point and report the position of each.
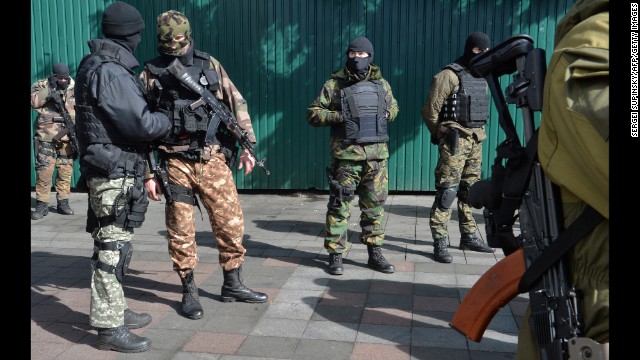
(573, 149)
(115, 128)
(357, 103)
(199, 165)
(455, 113)
(50, 97)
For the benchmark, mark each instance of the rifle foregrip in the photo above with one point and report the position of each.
(493, 290)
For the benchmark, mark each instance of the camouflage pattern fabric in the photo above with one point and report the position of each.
(326, 110)
(371, 181)
(213, 182)
(44, 128)
(170, 24)
(107, 296)
(462, 168)
(46, 161)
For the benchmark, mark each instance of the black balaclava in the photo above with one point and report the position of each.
(476, 39)
(123, 23)
(360, 65)
(60, 76)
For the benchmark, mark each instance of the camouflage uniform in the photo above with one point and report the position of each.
(573, 150)
(460, 169)
(362, 167)
(48, 154)
(199, 167)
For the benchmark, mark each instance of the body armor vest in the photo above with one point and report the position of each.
(89, 128)
(190, 121)
(364, 108)
(469, 106)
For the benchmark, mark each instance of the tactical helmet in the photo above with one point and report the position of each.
(121, 19)
(171, 24)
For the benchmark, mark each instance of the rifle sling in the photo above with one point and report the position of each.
(576, 231)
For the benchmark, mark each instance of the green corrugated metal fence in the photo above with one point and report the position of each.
(280, 52)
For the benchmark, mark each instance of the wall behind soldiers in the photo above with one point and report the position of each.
(280, 52)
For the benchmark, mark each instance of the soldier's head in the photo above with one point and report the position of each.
(359, 55)
(123, 24)
(174, 33)
(477, 42)
(60, 76)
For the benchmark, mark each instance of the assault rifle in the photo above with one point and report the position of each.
(536, 259)
(220, 111)
(70, 128)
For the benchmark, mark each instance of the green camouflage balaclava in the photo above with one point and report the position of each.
(171, 24)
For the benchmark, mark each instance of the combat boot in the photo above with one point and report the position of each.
(377, 261)
(64, 208)
(42, 210)
(335, 264)
(134, 320)
(233, 289)
(474, 243)
(190, 306)
(441, 252)
(122, 340)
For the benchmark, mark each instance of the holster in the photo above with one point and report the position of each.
(337, 192)
(120, 269)
(452, 139)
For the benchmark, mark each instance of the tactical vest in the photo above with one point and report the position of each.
(89, 128)
(364, 108)
(190, 121)
(469, 106)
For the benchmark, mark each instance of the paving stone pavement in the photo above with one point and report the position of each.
(310, 314)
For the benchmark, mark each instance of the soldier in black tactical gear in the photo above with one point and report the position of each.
(455, 113)
(53, 99)
(115, 128)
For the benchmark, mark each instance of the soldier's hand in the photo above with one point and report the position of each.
(153, 188)
(247, 161)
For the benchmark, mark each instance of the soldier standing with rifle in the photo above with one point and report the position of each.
(196, 157)
(54, 140)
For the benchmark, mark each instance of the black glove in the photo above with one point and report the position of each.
(434, 140)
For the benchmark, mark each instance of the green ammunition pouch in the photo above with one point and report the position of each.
(120, 269)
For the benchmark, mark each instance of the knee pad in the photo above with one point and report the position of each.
(445, 197)
(121, 268)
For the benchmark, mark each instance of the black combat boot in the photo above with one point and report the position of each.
(42, 210)
(233, 289)
(377, 261)
(190, 306)
(64, 208)
(335, 264)
(122, 340)
(134, 320)
(441, 252)
(474, 243)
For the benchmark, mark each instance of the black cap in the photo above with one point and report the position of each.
(361, 44)
(121, 19)
(60, 70)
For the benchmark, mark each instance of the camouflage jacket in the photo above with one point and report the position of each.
(443, 84)
(227, 93)
(44, 128)
(326, 110)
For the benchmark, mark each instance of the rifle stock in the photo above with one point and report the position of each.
(495, 288)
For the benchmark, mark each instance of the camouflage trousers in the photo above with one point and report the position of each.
(213, 182)
(107, 296)
(370, 181)
(49, 158)
(462, 168)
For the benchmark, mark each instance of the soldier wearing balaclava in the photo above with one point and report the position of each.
(53, 99)
(455, 113)
(115, 128)
(197, 157)
(356, 103)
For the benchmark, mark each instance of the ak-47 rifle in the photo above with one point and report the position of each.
(220, 111)
(536, 259)
(65, 118)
